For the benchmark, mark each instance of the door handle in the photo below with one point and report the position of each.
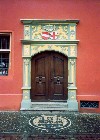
(51, 79)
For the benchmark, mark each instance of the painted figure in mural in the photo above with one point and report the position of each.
(37, 32)
(61, 33)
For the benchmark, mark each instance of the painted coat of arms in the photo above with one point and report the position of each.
(49, 32)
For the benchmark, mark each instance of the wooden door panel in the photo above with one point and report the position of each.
(57, 85)
(49, 77)
(58, 66)
(40, 90)
(58, 89)
(39, 80)
(40, 77)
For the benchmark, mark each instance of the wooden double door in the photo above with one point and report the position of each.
(49, 77)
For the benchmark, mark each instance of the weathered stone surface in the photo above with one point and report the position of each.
(62, 124)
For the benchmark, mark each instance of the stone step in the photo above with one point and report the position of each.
(49, 106)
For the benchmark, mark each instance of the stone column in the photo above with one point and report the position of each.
(72, 102)
(26, 101)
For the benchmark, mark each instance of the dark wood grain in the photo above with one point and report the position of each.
(49, 77)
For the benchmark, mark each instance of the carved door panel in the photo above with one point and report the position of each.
(49, 74)
(59, 77)
(39, 77)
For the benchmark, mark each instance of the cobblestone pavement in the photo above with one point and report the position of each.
(32, 125)
(76, 137)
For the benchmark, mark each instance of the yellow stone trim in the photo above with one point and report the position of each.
(26, 67)
(37, 32)
(72, 28)
(72, 68)
(72, 51)
(26, 97)
(27, 32)
(72, 97)
(25, 91)
(26, 75)
(26, 50)
(61, 33)
(72, 37)
(58, 48)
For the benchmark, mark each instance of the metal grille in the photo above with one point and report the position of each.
(4, 53)
(89, 104)
(4, 63)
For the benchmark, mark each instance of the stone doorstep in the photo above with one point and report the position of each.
(49, 106)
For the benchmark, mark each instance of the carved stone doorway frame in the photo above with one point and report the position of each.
(33, 47)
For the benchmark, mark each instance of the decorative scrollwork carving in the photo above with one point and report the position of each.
(37, 33)
(27, 32)
(34, 28)
(72, 32)
(72, 61)
(26, 50)
(49, 27)
(25, 91)
(26, 61)
(66, 29)
(40, 79)
(58, 80)
(72, 51)
(61, 33)
(57, 48)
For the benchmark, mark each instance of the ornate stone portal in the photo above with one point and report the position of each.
(49, 35)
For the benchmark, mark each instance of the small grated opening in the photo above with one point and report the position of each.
(89, 104)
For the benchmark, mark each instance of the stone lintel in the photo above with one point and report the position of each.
(25, 41)
(50, 21)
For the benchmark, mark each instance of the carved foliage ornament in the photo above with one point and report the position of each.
(26, 50)
(62, 49)
(68, 50)
(50, 32)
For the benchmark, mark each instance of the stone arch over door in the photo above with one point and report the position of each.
(65, 47)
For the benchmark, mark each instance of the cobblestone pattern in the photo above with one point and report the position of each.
(15, 125)
(74, 137)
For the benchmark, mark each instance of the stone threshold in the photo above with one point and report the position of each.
(49, 106)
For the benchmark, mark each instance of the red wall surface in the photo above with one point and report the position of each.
(88, 32)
